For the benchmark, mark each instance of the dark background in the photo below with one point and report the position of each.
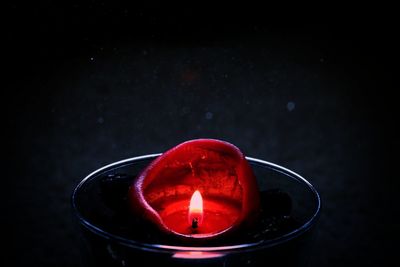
(87, 84)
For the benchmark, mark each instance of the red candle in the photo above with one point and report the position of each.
(199, 189)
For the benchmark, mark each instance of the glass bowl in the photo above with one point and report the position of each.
(106, 244)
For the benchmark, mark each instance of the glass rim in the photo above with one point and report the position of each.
(174, 248)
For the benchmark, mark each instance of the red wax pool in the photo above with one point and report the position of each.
(218, 216)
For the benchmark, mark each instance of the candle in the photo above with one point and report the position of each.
(199, 189)
(105, 199)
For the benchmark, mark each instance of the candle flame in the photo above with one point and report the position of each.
(196, 210)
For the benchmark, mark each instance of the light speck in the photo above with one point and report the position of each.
(209, 115)
(321, 59)
(100, 120)
(185, 110)
(92, 58)
(291, 106)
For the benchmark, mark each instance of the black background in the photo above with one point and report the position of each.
(87, 84)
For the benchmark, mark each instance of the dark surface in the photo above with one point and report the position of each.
(88, 85)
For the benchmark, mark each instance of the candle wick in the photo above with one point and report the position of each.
(195, 223)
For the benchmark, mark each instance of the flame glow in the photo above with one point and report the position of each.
(197, 255)
(196, 208)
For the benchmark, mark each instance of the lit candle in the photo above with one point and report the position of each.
(204, 202)
(199, 189)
